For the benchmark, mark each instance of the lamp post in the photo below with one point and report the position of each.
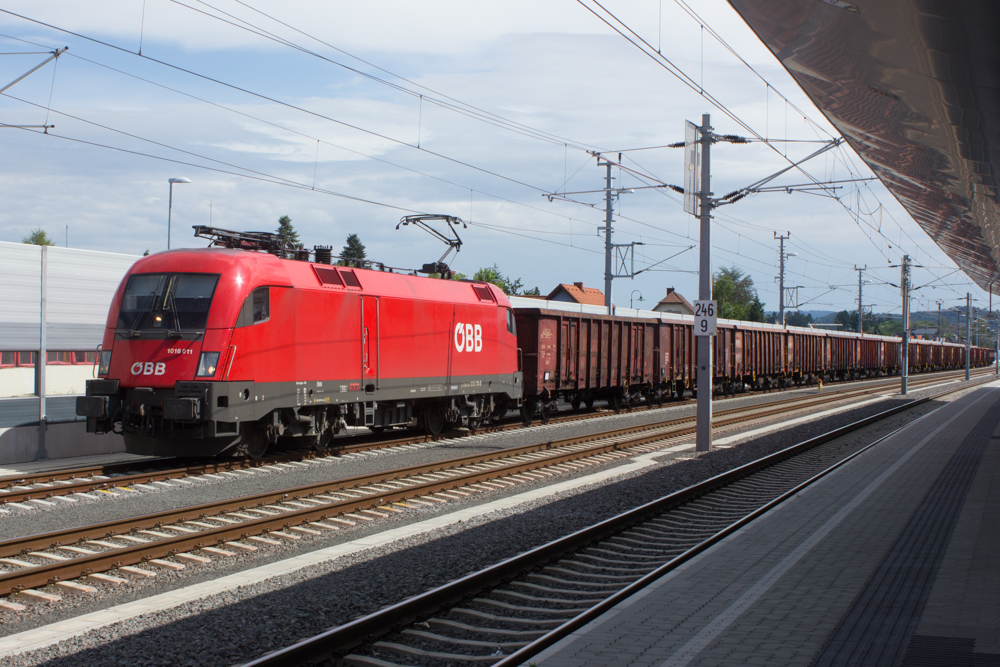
(170, 205)
(630, 297)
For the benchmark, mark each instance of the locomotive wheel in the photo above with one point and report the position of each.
(474, 426)
(323, 440)
(498, 414)
(254, 445)
(433, 422)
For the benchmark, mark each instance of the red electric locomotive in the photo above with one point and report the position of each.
(221, 350)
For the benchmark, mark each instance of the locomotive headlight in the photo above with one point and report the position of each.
(207, 363)
(104, 364)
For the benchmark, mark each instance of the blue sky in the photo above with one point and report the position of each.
(550, 66)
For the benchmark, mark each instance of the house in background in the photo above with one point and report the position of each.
(673, 302)
(577, 293)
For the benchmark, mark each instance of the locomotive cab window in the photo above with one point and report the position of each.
(510, 322)
(257, 308)
(167, 301)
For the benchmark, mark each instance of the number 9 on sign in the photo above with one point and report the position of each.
(705, 318)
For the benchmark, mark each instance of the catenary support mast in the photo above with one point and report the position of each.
(860, 270)
(781, 277)
(608, 247)
(968, 331)
(704, 427)
(904, 288)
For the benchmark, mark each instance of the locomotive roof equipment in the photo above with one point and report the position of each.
(452, 243)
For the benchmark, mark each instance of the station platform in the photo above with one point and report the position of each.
(893, 559)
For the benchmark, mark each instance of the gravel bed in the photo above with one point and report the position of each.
(38, 519)
(237, 625)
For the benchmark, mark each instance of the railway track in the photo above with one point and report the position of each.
(114, 551)
(47, 487)
(508, 612)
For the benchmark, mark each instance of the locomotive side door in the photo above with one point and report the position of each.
(369, 343)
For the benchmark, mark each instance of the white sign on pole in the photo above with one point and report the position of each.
(705, 317)
(692, 167)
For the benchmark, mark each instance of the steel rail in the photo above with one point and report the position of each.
(336, 641)
(27, 543)
(559, 451)
(68, 481)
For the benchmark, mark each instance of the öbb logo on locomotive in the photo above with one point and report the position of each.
(468, 337)
(149, 368)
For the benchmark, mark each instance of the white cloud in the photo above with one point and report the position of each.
(551, 66)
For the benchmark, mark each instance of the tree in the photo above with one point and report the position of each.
(287, 232)
(532, 292)
(492, 274)
(889, 328)
(354, 249)
(736, 296)
(797, 319)
(37, 237)
(146, 254)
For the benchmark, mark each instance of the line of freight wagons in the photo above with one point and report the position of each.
(584, 356)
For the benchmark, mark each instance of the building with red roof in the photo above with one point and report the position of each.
(577, 293)
(673, 302)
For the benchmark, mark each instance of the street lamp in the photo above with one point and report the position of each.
(630, 297)
(170, 205)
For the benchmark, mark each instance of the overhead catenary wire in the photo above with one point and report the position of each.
(639, 42)
(487, 194)
(274, 100)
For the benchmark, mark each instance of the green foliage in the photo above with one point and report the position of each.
(736, 295)
(945, 328)
(797, 319)
(354, 249)
(146, 254)
(889, 327)
(287, 232)
(37, 237)
(492, 274)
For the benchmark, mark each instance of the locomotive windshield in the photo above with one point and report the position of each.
(167, 301)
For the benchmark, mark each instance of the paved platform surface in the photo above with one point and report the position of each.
(894, 559)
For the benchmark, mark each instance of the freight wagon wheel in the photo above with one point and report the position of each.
(589, 403)
(575, 404)
(546, 413)
(527, 412)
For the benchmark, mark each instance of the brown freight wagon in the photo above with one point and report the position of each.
(581, 355)
(584, 357)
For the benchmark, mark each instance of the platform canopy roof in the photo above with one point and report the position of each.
(914, 86)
